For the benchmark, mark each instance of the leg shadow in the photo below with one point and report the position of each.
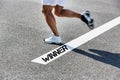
(102, 56)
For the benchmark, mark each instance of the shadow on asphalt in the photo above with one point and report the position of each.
(102, 56)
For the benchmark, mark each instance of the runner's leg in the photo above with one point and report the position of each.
(59, 11)
(85, 17)
(47, 11)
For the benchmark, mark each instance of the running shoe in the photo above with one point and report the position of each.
(86, 17)
(53, 40)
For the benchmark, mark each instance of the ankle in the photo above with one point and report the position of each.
(57, 35)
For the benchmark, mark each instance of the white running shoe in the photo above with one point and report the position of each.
(53, 40)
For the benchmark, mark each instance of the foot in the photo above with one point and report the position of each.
(53, 40)
(86, 17)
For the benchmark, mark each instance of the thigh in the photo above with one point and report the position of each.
(58, 9)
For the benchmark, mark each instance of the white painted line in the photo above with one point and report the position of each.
(58, 52)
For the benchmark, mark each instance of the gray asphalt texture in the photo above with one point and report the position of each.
(23, 27)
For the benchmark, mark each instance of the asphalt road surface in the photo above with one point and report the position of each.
(23, 27)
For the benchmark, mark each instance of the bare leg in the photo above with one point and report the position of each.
(59, 11)
(47, 10)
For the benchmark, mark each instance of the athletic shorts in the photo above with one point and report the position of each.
(53, 2)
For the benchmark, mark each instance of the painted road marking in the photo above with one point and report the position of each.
(58, 52)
